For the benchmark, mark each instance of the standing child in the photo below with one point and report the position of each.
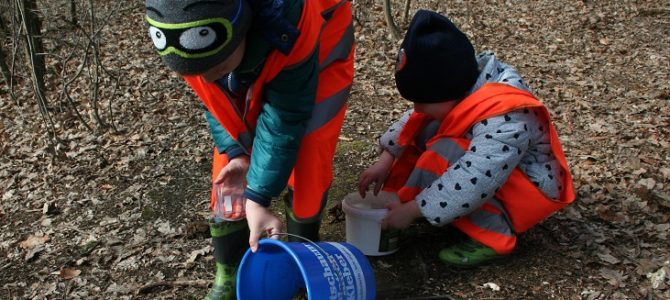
(478, 151)
(273, 77)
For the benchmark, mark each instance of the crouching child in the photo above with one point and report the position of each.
(478, 151)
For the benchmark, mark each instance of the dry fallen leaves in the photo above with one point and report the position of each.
(196, 253)
(106, 187)
(69, 273)
(659, 278)
(583, 73)
(608, 258)
(33, 241)
(614, 277)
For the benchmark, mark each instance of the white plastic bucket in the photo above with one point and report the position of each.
(363, 223)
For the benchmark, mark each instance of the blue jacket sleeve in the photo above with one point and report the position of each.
(280, 128)
(224, 143)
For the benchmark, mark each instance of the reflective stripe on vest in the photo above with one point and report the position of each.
(335, 46)
(495, 219)
(341, 49)
(448, 151)
(327, 109)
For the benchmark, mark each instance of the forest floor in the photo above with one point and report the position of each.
(114, 210)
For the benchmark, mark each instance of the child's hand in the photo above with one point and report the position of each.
(261, 220)
(400, 215)
(229, 186)
(233, 177)
(376, 173)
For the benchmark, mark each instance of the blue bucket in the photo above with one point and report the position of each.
(326, 270)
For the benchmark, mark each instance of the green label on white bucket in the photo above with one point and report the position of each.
(388, 240)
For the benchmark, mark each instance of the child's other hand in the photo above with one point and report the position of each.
(376, 173)
(400, 215)
(229, 186)
(261, 220)
(233, 177)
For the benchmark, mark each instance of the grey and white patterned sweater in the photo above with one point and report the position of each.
(498, 145)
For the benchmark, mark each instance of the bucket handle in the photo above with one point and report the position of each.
(331, 260)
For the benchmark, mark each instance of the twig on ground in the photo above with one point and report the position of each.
(196, 283)
(5, 266)
(444, 297)
(67, 290)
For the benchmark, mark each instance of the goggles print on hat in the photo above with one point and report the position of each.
(197, 39)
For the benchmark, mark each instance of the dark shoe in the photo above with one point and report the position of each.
(303, 229)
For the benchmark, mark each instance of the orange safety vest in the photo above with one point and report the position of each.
(525, 204)
(312, 173)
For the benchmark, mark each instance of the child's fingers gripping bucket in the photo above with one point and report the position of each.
(326, 270)
(363, 223)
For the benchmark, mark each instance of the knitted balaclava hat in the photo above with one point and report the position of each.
(193, 36)
(436, 61)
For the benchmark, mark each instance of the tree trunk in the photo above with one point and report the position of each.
(34, 46)
(73, 12)
(6, 73)
(35, 54)
(3, 28)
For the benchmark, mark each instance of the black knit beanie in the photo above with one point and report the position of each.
(436, 61)
(193, 36)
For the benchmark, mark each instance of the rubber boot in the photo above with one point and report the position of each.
(231, 240)
(307, 228)
(468, 254)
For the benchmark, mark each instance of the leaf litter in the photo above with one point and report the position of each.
(112, 213)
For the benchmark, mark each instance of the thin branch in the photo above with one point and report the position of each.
(112, 76)
(177, 283)
(94, 71)
(5, 266)
(15, 51)
(440, 297)
(407, 5)
(66, 88)
(92, 42)
(390, 23)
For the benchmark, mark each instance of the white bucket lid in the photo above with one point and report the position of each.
(369, 207)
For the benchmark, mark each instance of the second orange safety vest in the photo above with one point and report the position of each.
(524, 202)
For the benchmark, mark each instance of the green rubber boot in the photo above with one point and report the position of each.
(231, 240)
(224, 283)
(468, 254)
